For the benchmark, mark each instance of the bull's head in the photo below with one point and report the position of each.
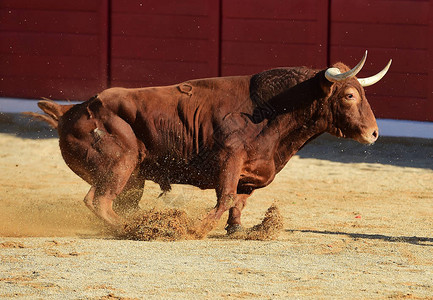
(352, 116)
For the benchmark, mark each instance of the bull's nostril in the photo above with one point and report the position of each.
(375, 134)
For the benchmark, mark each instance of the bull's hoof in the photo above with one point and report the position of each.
(234, 228)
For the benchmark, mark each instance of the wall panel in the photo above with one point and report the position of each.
(163, 42)
(258, 35)
(54, 49)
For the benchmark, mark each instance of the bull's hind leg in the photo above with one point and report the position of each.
(109, 187)
(127, 201)
(88, 200)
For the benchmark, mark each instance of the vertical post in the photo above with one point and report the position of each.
(328, 37)
(214, 45)
(323, 32)
(104, 43)
(220, 37)
(429, 110)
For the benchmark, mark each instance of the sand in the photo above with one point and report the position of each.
(356, 222)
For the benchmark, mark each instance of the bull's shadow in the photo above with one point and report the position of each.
(415, 240)
(403, 152)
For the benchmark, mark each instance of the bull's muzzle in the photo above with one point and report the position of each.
(369, 137)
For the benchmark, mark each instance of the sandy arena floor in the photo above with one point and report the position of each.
(358, 225)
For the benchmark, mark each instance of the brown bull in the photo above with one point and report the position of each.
(231, 134)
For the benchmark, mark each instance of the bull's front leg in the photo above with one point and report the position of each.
(226, 191)
(234, 220)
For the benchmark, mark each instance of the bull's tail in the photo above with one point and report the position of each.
(53, 112)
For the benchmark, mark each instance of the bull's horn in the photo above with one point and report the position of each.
(335, 75)
(373, 79)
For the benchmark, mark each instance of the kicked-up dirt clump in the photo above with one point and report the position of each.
(174, 224)
(165, 225)
(268, 229)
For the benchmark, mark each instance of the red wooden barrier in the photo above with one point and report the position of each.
(51, 48)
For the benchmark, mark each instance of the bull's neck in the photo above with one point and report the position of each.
(300, 116)
(293, 136)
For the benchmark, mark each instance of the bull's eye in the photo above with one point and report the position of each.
(350, 97)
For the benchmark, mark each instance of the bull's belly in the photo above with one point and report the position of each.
(197, 172)
(204, 172)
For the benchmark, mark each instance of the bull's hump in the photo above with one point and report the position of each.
(270, 83)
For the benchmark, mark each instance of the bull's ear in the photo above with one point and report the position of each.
(326, 86)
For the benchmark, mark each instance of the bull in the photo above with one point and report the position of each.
(231, 134)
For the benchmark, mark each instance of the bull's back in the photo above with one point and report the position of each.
(178, 120)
